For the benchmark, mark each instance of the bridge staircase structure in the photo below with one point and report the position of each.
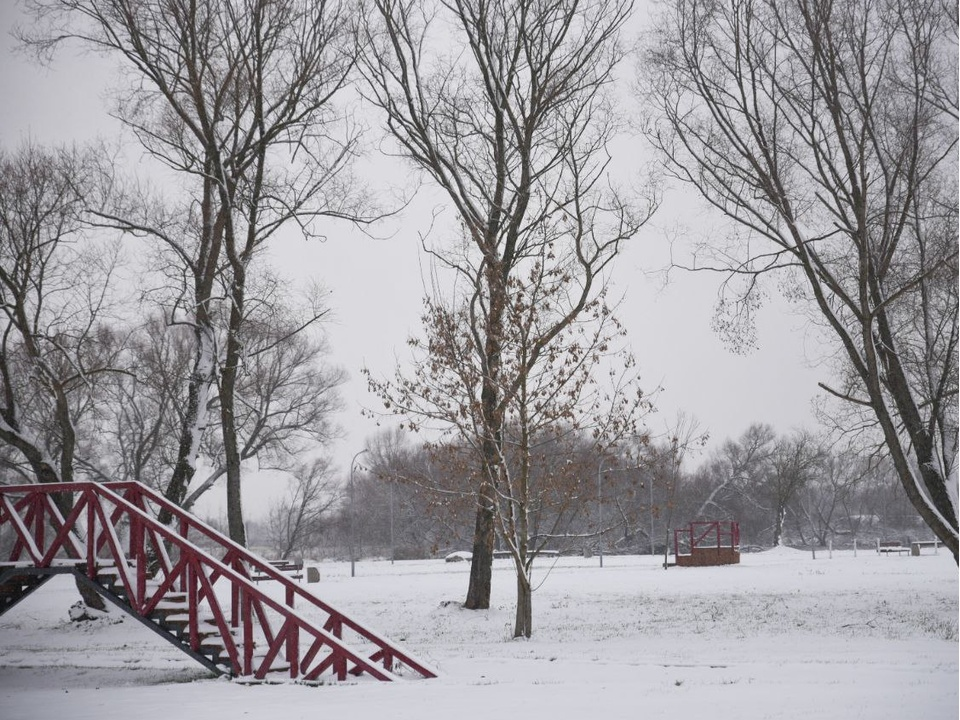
(187, 583)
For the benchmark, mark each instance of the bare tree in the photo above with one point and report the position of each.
(139, 411)
(295, 521)
(55, 289)
(287, 395)
(737, 464)
(513, 126)
(420, 495)
(55, 292)
(236, 98)
(663, 461)
(828, 131)
(827, 506)
(794, 464)
(286, 392)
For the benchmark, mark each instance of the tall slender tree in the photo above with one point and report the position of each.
(827, 132)
(504, 105)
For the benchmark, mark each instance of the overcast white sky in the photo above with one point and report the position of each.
(376, 286)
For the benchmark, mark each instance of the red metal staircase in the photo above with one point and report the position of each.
(201, 600)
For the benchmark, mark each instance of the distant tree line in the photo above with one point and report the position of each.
(792, 489)
(94, 371)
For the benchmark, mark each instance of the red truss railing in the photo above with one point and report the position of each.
(715, 534)
(110, 537)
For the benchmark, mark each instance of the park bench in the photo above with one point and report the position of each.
(292, 568)
(886, 547)
(917, 545)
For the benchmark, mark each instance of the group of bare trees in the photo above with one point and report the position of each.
(51, 348)
(801, 490)
(827, 130)
(414, 500)
(91, 390)
(202, 354)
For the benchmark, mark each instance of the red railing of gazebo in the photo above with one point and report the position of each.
(712, 534)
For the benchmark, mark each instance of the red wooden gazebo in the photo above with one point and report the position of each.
(707, 543)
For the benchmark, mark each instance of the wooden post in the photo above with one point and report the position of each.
(293, 648)
(140, 557)
(247, 620)
(190, 573)
(91, 542)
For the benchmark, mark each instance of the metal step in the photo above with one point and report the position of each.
(14, 587)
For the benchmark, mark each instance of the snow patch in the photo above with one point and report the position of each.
(81, 612)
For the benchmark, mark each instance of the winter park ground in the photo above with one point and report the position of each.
(779, 636)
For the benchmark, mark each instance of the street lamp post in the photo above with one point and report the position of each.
(393, 547)
(353, 559)
(652, 547)
(600, 507)
(600, 503)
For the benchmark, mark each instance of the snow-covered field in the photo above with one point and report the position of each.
(779, 636)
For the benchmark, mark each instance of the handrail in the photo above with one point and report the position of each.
(722, 530)
(246, 597)
(265, 568)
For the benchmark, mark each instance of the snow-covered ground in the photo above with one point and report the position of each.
(779, 636)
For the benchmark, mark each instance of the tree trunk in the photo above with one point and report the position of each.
(91, 598)
(41, 466)
(228, 424)
(937, 509)
(203, 374)
(778, 527)
(194, 422)
(523, 627)
(481, 565)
